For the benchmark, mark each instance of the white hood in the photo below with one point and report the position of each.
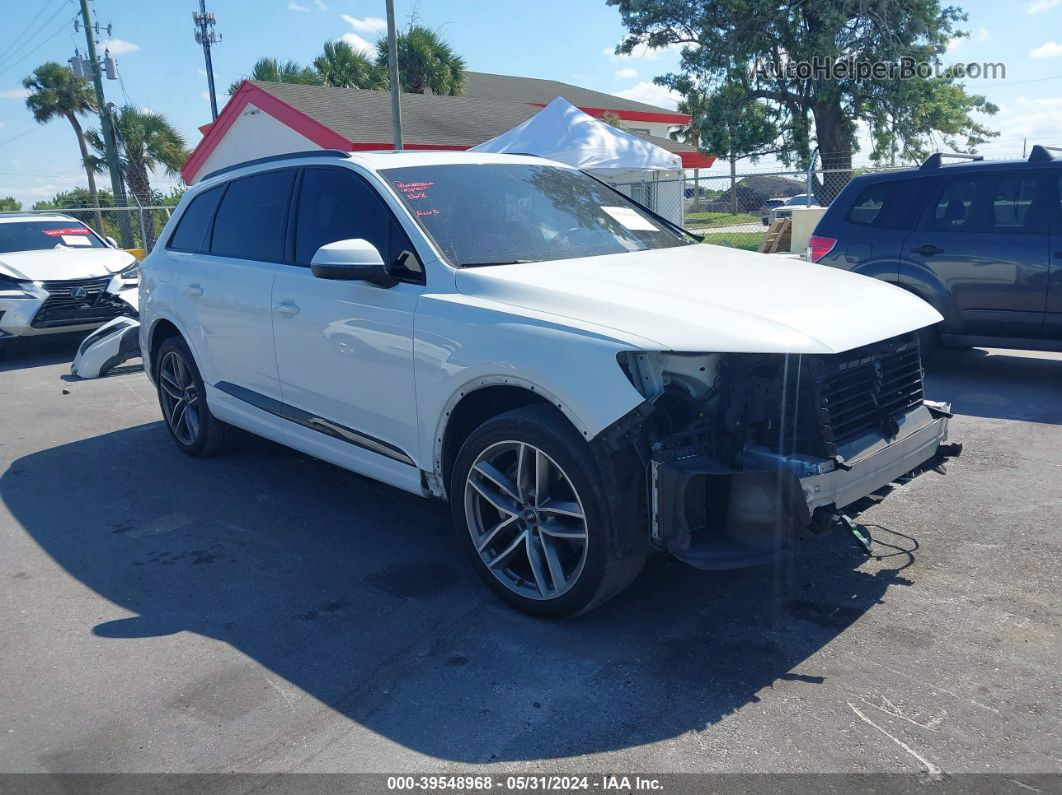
(61, 263)
(710, 299)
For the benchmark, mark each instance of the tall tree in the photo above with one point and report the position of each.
(273, 70)
(342, 66)
(735, 127)
(426, 63)
(9, 204)
(55, 92)
(741, 42)
(147, 142)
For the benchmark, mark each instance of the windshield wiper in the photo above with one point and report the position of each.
(499, 262)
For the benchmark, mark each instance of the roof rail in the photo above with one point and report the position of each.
(1042, 154)
(30, 213)
(937, 160)
(273, 158)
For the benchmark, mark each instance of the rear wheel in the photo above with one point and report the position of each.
(531, 513)
(182, 398)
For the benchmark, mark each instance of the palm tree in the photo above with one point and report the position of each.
(426, 63)
(54, 92)
(273, 70)
(341, 66)
(694, 104)
(146, 142)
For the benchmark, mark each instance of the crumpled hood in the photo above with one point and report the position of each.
(711, 299)
(57, 264)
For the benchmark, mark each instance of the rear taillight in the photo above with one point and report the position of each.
(820, 246)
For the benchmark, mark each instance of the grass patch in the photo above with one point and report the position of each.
(721, 219)
(750, 241)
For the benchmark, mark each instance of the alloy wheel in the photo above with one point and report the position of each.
(180, 398)
(526, 520)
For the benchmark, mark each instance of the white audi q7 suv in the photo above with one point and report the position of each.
(57, 275)
(580, 379)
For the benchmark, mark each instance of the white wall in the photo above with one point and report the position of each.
(254, 134)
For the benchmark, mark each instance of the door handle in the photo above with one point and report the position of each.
(194, 290)
(927, 250)
(287, 309)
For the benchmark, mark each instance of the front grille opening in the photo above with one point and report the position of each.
(815, 403)
(65, 306)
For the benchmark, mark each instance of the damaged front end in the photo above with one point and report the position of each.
(748, 453)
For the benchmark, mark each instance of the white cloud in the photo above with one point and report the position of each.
(293, 6)
(626, 73)
(1049, 50)
(120, 46)
(358, 43)
(982, 34)
(367, 25)
(206, 96)
(1041, 5)
(200, 71)
(651, 94)
(15, 93)
(1035, 118)
(320, 5)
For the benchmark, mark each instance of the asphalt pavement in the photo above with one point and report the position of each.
(263, 611)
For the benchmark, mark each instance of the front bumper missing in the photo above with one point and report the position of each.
(717, 518)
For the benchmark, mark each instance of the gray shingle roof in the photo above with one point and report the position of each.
(364, 116)
(534, 90)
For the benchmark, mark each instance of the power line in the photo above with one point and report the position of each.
(20, 135)
(21, 36)
(16, 56)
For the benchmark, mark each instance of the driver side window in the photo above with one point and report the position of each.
(335, 204)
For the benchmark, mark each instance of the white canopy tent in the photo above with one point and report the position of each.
(562, 132)
(639, 168)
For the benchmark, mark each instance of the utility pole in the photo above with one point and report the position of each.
(204, 34)
(106, 127)
(392, 70)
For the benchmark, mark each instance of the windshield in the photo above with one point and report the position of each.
(40, 235)
(500, 214)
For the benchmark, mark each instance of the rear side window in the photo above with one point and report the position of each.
(995, 202)
(190, 234)
(252, 218)
(887, 205)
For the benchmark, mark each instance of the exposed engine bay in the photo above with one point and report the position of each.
(745, 453)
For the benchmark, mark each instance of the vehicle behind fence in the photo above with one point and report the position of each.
(132, 226)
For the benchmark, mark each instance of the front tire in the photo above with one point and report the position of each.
(530, 511)
(182, 398)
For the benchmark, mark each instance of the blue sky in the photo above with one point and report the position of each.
(162, 67)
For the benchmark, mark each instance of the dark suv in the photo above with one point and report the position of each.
(980, 241)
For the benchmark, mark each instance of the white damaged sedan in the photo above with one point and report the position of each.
(580, 379)
(59, 276)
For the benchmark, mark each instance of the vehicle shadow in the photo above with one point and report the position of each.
(357, 594)
(999, 384)
(28, 352)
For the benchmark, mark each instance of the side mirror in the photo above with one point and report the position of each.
(111, 241)
(352, 260)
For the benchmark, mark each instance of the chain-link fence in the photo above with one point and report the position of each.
(663, 193)
(736, 210)
(131, 226)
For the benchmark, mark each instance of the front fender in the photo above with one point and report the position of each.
(461, 345)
